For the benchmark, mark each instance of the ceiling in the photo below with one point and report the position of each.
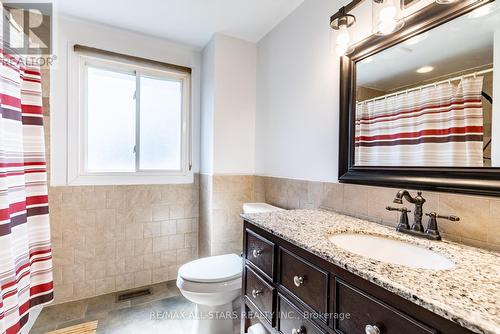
(191, 22)
(459, 45)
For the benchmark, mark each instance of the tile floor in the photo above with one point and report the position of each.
(138, 315)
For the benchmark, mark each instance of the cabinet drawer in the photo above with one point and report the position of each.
(304, 280)
(366, 310)
(260, 293)
(260, 252)
(292, 321)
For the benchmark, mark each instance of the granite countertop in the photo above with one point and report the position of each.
(468, 293)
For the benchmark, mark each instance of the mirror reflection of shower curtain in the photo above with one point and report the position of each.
(439, 126)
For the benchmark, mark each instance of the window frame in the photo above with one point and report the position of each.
(78, 173)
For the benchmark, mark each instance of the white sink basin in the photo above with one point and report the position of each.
(391, 251)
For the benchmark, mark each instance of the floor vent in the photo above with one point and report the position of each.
(133, 294)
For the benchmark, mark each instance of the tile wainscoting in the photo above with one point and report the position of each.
(480, 216)
(108, 239)
(221, 201)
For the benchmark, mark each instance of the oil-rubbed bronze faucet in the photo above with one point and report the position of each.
(417, 229)
(418, 212)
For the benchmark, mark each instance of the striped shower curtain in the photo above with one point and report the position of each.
(25, 251)
(441, 125)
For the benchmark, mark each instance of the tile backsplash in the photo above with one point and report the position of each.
(480, 216)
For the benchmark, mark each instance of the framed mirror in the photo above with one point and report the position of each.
(410, 2)
(417, 107)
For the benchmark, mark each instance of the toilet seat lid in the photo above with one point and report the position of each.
(212, 269)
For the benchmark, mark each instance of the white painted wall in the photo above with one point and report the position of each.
(235, 105)
(297, 97)
(73, 31)
(207, 108)
(228, 106)
(297, 92)
(495, 144)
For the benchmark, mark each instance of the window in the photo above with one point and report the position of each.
(133, 123)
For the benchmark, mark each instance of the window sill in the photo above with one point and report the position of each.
(129, 179)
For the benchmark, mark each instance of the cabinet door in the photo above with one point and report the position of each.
(260, 253)
(260, 294)
(358, 310)
(304, 280)
(292, 321)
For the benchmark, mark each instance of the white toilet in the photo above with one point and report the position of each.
(213, 283)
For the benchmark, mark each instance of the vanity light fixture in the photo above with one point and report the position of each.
(387, 16)
(340, 37)
(425, 69)
(445, 2)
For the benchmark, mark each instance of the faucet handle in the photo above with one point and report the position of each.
(432, 226)
(402, 209)
(403, 219)
(450, 218)
(436, 215)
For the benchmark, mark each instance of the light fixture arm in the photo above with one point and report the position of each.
(344, 10)
(343, 19)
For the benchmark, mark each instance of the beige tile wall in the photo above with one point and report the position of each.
(205, 240)
(113, 238)
(108, 239)
(480, 216)
(222, 198)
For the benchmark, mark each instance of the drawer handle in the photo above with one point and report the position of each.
(301, 330)
(369, 329)
(256, 293)
(299, 281)
(256, 253)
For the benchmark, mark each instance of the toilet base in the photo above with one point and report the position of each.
(213, 319)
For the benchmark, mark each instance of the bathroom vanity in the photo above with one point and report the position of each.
(297, 281)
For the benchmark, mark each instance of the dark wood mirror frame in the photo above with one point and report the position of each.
(479, 181)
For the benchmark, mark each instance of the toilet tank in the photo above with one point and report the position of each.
(259, 207)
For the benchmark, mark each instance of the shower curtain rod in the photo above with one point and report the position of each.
(430, 85)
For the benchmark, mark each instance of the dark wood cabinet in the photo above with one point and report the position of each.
(304, 281)
(292, 320)
(260, 253)
(350, 300)
(260, 293)
(292, 291)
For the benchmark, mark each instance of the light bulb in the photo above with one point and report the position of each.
(387, 27)
(388, 13)
(343, 37)
(387, 17)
